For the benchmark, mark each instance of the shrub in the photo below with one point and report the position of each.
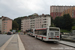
(73, 27)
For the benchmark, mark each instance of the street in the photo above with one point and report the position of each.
(4, 38)
(30, 43)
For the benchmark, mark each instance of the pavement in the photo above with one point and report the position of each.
(71, 44)
(14, 43)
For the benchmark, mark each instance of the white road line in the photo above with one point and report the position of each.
(4, 46)
(21, 46)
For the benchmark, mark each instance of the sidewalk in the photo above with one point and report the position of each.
(67, 43)
(14, 43)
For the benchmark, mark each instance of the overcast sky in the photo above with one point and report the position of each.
(18, 8)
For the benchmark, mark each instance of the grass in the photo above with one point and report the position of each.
(19, 30)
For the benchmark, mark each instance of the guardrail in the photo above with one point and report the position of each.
(68, 40)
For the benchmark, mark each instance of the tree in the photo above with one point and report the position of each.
(18, 20)
(73, 21)
(64, 22)
(52, 25)
(57, 22)
(15, 25)
(67, 21)
(52, 21)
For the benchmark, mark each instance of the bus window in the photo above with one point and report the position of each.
(36, 32)
(42, 32)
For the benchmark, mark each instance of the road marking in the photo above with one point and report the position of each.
(4, 46)
(21, 46)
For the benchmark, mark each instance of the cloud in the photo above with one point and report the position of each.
(17, 8)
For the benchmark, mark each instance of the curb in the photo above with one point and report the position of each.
(21, 46)
(4, 46)
(68, 40)
(66, 45)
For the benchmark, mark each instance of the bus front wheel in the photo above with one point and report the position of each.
(42, 38)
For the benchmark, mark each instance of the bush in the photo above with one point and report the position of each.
(63, 30)
(19, 30)
(73, 27)
(52, 25)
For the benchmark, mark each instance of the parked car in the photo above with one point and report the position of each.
(9, 33)
(12, 33)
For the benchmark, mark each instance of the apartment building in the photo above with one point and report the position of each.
(61, 10)
(0, 25)
(70, 11)
(35, 21)
(5, 24)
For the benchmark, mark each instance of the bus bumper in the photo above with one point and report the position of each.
(51, 40)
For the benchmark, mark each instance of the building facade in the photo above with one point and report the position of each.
(35, 21)
(0, 25)
(5, 24)
(61, 10)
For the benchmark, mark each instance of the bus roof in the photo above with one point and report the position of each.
(40, 28)
(46, 28)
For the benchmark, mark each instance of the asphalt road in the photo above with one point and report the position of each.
(30, 43)
(4, 38)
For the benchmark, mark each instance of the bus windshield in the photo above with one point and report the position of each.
(54, 29)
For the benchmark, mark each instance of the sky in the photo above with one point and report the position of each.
(19, 8)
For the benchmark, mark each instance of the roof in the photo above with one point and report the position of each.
(5, 18)
(35, 16)
(41, 29)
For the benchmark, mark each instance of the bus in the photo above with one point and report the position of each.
(48, 34)
(31, 32)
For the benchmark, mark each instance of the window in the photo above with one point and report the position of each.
(72, 13)
(36, 32)
(45, 21)
(5, 22)
(41, 32)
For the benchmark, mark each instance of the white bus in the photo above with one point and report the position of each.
(31, 32)
(48, 34)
